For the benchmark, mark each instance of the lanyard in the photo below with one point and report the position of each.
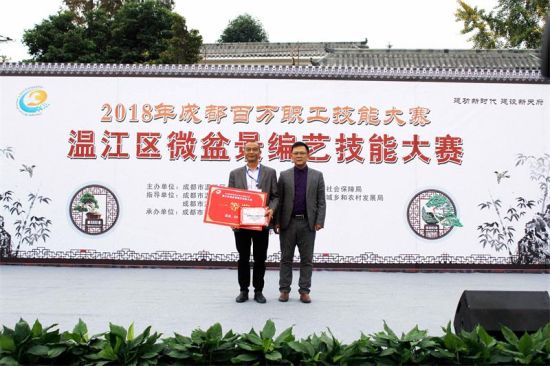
(254, 179)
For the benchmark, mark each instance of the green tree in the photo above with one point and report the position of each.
(184, 46)
(244, 28)
(79, 7)
(138, 32)
(511, 24)
(59, 39)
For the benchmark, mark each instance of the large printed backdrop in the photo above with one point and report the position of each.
(102, 164)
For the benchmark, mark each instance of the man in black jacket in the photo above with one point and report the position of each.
(258, 177)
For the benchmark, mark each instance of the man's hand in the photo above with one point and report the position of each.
(277, 229)
(269, 214)
(318, 227)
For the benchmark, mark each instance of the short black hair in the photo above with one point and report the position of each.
(298, 144)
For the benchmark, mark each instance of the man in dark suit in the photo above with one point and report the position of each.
(258, 177)
(301, 213)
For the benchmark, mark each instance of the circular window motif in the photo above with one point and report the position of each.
(94, 209)
(432, 214)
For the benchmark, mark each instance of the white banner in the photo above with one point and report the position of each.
(102, 164)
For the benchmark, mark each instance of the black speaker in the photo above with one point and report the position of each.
(545, 51)
(521, 311)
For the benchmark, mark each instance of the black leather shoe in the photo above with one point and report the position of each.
(243, 296)
(259, 298)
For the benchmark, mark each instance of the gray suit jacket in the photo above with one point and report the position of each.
(316, 206)
(268, 183)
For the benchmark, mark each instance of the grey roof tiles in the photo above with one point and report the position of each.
(357, 55)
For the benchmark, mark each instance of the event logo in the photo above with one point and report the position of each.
(32, 101)
(432, 214)
(94, 209)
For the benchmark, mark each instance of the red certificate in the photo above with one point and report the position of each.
(223, 205)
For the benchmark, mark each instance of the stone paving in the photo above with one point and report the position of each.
(180, 300)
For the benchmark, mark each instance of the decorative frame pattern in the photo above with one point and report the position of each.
(111, 210)
(430, 232)
(320, 259)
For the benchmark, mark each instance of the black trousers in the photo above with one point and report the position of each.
(258, 240)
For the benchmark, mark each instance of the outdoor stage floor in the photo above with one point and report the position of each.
(180, 300)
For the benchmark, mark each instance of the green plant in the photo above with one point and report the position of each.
(87, 203)
(263, 348)
(79, 343)
(529, 349)
(203, 347)
(30, 346)
(318, 350)
(475, 347)
(359, 352)
(120, 347)
(414, 347)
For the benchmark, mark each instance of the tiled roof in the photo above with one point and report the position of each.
(268, 49)
(356, 54)
(493, 75)
(468, 59)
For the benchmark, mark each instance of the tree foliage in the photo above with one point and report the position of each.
(135, 32)
(80, 7)
(511, 24)
(60, 39)
(184, 46)
(244, 28)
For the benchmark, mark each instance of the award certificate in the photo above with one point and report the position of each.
(254, 216)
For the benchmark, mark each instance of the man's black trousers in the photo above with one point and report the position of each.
(258, 241)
